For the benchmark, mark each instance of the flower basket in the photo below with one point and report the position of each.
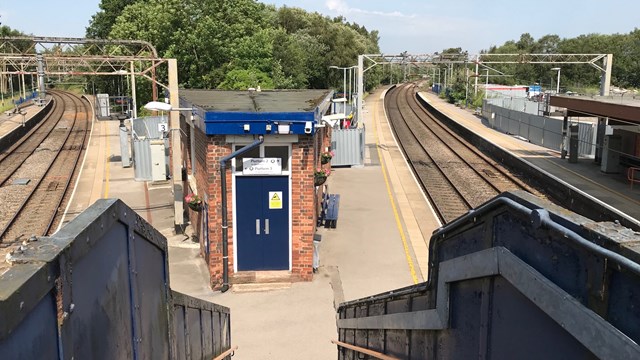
(319, 179)
(195, 207)
(194, 202)
(326, 156)
(320, 176)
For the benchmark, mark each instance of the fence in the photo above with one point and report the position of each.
(348, 146)
(519, 104)
(539, 130)
(99, 289)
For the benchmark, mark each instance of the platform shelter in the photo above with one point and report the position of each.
(261, 149)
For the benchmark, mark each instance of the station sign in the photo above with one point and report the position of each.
(261, 166)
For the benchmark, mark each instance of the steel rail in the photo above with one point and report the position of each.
(24, 203)
(490, 163)
(34, 136)
(441, 186)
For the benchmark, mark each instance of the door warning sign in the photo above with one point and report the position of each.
(275, 199)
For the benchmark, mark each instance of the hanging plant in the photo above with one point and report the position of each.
(326, 156)
(194, 202)
(320, 176)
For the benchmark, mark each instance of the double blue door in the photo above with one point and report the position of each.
(262, 222)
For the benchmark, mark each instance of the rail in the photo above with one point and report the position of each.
(229, 352)
(375, 354)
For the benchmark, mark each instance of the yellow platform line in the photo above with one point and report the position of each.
(405, 244)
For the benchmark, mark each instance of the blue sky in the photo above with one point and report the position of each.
(416, 26)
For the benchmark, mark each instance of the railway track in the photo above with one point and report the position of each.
(37, 172)
(455, 175)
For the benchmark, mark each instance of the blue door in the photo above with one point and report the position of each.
(262, 222)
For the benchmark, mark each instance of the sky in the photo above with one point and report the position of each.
(415, 26)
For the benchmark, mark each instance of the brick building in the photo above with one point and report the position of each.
(275, 138)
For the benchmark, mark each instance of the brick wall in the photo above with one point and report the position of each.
(209, 150)
(303, 214)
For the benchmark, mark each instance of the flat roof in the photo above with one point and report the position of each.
(256, 101)
(613, 107)
(224, 112)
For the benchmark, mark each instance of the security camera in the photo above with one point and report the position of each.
(308, 127)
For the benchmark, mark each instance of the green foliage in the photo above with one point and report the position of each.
(244, 79)
(624, 47)
(234, 44)
(103, 20)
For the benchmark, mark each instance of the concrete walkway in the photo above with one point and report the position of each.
(379, 244)
(363, 256)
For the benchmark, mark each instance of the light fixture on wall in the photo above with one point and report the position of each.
(284, 128)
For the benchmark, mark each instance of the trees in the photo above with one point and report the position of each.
(624, 47)
(227, 43)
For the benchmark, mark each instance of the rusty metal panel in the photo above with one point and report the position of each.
(519, 278)
(151, 273)
(510, 310)
(207, 333)
(102, 310)
(202, 329)
(180, 340)
(194, 333)
(36, 337)
(99, 289)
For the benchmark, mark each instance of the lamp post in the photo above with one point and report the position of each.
(344, 81)
(486, 84)
(351, 81)
(558, 82)
(344, 78)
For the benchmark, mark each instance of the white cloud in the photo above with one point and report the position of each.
(343, 8)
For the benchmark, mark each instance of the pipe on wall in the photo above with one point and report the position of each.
(225, 218)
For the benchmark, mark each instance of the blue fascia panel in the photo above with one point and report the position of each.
(233, 123)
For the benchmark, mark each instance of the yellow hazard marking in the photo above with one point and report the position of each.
(275, 199)
(405, 245)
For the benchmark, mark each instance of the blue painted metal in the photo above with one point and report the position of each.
(98, 289)
(232, 123)
(261, 246)
(547, 259)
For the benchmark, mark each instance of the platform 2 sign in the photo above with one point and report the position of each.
(261, 166)
(275, 200)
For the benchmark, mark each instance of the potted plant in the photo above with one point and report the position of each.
(326, 156)
(320, 176)
(194, 202)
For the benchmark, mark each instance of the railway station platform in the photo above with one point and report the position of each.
(378, 244)
(15, 119)
(611, 190)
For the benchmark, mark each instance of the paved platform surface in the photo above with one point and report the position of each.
(372, 250)
(11, 120)
(380, 243)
